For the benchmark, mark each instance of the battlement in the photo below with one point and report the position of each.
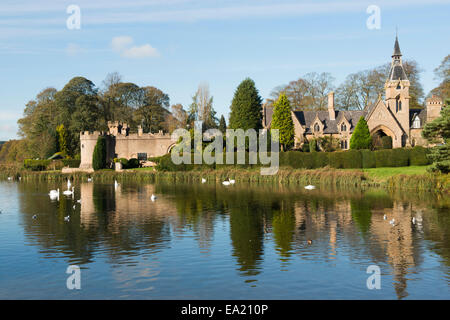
(434, 100)
(84, 135)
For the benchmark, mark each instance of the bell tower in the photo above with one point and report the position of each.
(397, 91)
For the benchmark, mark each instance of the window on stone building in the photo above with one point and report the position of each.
(344, 145)
(343, 127)
(398, 105)
(142, 156)
(416, 123)
(316, 127)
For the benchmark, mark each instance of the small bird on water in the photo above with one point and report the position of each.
(309, 241)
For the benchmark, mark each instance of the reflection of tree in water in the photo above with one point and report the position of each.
(436, 228)
(283, 228)
(79, 242)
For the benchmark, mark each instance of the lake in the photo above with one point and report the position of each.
(209, 241)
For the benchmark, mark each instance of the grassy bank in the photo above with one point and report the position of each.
(401, 178)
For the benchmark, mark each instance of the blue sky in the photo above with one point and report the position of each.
(177, 44)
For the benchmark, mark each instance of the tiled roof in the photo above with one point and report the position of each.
(306, 119)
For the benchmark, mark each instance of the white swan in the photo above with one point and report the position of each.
(203, 180)
(54, 192)
(310, 187)
(9, 178)
(153, 197)
(232, 181)
(226, 183)
(69, 192)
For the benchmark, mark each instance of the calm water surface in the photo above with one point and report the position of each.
(214, 242)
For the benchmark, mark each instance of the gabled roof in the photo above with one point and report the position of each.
(421, 113)
(307, 118)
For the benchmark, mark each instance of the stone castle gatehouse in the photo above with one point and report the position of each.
(392, 116)
(120, 143)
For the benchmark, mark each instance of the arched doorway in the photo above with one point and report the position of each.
(382, 138)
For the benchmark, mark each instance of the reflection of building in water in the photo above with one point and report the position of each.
(132, 205)
(336, 223)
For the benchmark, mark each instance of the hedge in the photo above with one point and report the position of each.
(36, 165)
(71, 163)
(312, 160)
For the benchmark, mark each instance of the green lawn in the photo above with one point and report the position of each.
(382, 173)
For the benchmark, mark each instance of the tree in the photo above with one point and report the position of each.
(361, 138)
(62, 139)
(246, 110)
(99, 155)
(364, 87)
(201, 108)
(222, 125)
(282, 121)
(38, 125)
(307, 93)
(443, 73)
(438, 131)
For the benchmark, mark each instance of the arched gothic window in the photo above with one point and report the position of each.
(343, 127)
(316, 127)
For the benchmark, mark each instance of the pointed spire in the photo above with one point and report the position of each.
(397, 51)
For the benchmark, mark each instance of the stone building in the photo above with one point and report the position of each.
(389, 117)
(120, 143)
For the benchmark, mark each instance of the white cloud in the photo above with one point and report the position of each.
(141, 52)
(122, 45)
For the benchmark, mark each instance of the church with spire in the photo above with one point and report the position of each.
(391, 116)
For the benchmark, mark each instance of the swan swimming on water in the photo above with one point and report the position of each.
(69, 192)
(226, 183)
(232, 181)
(203, 180)
(310, 187)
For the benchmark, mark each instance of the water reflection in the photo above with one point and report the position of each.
(321, 226)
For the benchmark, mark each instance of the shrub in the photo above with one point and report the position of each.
(99, 156)
(399, 157)
(305, 147)
(361, 138)
(418, 156)
(71, 163)
(346, 159)
(36, 165)
(132, 163)
(368, 159)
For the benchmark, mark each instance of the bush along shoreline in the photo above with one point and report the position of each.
(341, 169)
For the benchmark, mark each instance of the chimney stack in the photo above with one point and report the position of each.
(331, 106)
